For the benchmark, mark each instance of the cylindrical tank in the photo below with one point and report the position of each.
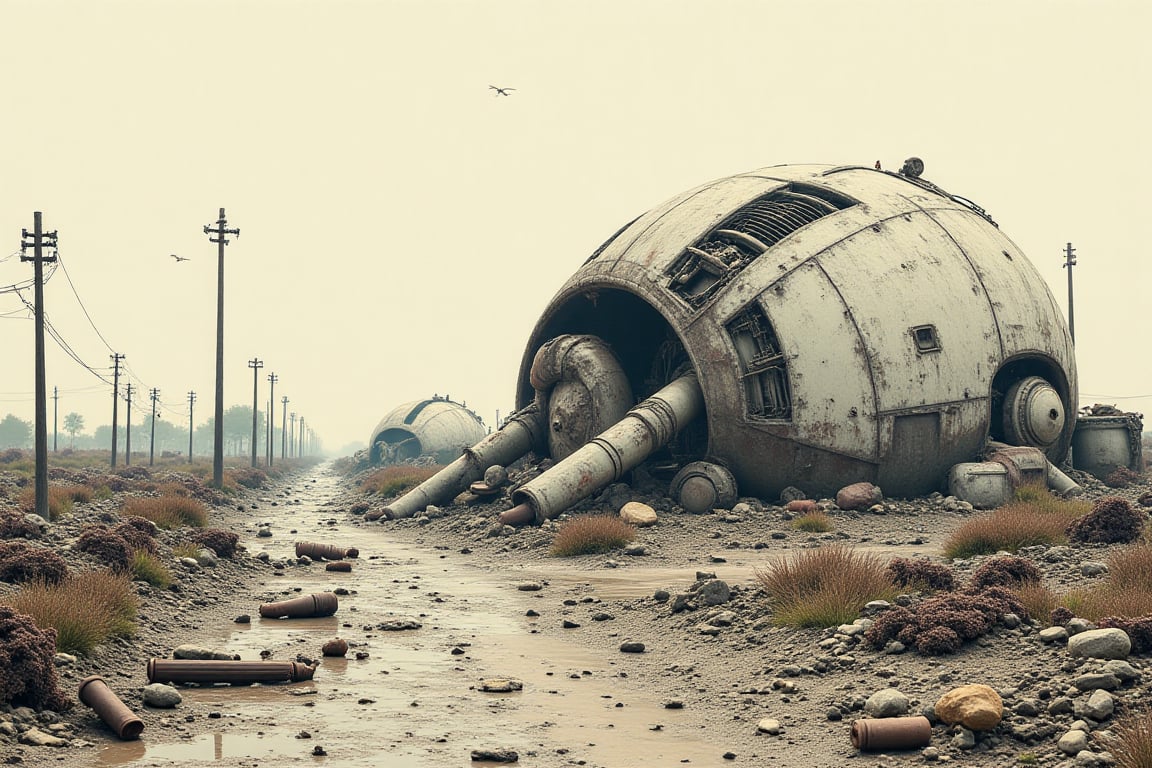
(437, 427)
(1101, 444)
(845, 324)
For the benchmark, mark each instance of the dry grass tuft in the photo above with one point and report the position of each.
(592, 534)
(1033, 517)
(394, 480)
(814, 522)
(148, 567)
(60, 500)
(167, 511)
(1130, 741)
(1038, 600)
(85, 609)
(824, 587)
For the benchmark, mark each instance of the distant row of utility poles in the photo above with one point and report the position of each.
(39, 241)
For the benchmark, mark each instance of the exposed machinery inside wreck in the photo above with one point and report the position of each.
(437, 427)
(805, 325)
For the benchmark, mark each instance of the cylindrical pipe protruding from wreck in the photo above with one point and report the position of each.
(624, 445)
(234, 672)
(522, 432)
(318, 551)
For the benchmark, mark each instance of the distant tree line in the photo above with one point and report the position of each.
(18, 433)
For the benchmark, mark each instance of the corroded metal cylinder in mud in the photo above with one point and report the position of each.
(235, 672)
(324, 551)
(125, 723)
(846, 324)
(605, 458)
(522, 432)
(880, 733)
(308, 606)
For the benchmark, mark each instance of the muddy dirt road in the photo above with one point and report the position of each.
(415, 696)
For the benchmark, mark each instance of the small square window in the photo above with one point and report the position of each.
(926, 339)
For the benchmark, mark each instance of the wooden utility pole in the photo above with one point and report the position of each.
(220, 231)
(301, 451)
(128, 433)
(255, 365)
(55, 415)
(191, 400)
(292, 435)
(40, 240)
(272, 379)
(283, 426)
(116, 358)
(152, 440)
(1069, 262)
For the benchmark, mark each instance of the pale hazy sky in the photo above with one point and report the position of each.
(403, 227)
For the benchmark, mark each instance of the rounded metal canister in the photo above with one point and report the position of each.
(871, 734)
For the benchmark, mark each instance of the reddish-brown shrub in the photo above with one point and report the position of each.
(138, 538)
(1112, 520)
(106, 545)
(28, 658)
(1145, 499)
(14, 526)
(921, 573)
(134, 472)
(220, 541)
(1010, 571)
(942, 623)
(11, 455)
(1060, 616)
(1121, 477)
(21, 562)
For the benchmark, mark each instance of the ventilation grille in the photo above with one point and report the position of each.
(762, 365)
(708, 265)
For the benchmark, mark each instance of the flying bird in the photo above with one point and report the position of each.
(178, 258)
(501, 91)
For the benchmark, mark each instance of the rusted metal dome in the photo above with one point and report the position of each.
(845, 324)
(437, 427)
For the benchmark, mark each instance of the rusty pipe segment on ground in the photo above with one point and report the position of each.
(522, 432)
(317, 605)
(234, 672)
(95, 693)
(605, 458)
(318, 551)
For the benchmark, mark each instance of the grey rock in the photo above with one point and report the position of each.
(1122, 670)
(1097, 680)
(1099, 706)
(1108, 643)
(964, 739)
(714, 592)
(189, 651)
(1093, 568)
(1073, 742)
(161, 696)
(1051, 635)
(770, 726)
(888, 702)
(39, 738)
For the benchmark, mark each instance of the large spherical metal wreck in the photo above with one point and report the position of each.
(435, 427)
(844, 323)
(809, 326)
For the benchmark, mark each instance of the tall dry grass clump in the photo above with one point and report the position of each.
(592, 534)
(824, 587)
(1130, 741)
(85, 609)
(60, 499)
(1034, 516)
(167, 511)
(395, 479)
(147, 567)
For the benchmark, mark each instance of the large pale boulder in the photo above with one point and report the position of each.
(638, 514)
(976, 707)
(1108, 643)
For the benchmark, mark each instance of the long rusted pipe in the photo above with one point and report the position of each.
(235, 672)
(115, 713)
(522, 432)
(604, 459)
(307, 606)
(324, 551)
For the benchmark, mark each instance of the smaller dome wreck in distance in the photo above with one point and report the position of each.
(437, 427)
